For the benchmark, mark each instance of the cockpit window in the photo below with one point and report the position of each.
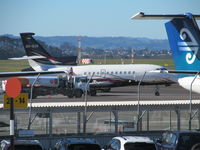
(161, 68)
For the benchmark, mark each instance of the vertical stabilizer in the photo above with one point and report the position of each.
(184, 39)
(39, 58)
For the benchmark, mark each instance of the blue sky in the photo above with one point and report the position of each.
(89, 17)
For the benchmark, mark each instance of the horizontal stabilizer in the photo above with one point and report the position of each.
(143, 16)
(27, 34)
(26, 57)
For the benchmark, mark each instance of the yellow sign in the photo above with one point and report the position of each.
(21, 101)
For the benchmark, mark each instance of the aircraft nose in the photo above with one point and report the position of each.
(173, 77)
(167, 76)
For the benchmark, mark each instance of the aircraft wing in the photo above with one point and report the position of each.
(28, 73)
(183, 72)
(26, 57)
(143, 16)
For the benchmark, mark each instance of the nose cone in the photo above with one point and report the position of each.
(158, 76)
(172, 77)
(189, 83)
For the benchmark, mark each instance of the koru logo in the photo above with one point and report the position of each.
(191, 46)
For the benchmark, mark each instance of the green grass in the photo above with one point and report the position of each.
(18, 62)
(11, 65)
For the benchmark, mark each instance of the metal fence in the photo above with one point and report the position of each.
(103, 121)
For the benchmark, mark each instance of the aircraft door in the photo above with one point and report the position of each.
(133, 75)
(103, 72)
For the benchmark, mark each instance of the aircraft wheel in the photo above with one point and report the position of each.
(33, 96)
(29, 95)
(70, 94)
(93, 93)
(157, 93)
(106, 90)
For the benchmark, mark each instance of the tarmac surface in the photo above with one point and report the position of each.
(130, 93)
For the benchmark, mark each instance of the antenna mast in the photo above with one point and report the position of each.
(79, 49)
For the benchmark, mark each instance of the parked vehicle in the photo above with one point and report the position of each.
(179, 140)
(76, 86)
(77, 144)
(52, 85)
(131, 143)
(22, 145)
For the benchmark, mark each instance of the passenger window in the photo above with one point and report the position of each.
(133, 72)
(124, 72)
(111, 72)
(85, 73)
(116, 72)
(88, 73)
(97, 73)
(107, 72)
(120, 72)
(129, 72)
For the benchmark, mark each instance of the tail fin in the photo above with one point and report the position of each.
(184, 39)
(39, 58)
(32, 47)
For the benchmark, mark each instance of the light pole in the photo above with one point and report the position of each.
(85, 110)
(190, 119)
(31, 96)
(138, 106)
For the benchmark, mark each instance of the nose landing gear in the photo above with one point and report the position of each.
(157, 93)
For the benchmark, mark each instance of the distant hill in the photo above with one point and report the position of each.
(11, 46)
(92, 47)
(108, 42)
(104, 42)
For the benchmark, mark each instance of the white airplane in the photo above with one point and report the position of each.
(184, 39)
(104, 77)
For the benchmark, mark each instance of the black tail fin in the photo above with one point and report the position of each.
(34, 49)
